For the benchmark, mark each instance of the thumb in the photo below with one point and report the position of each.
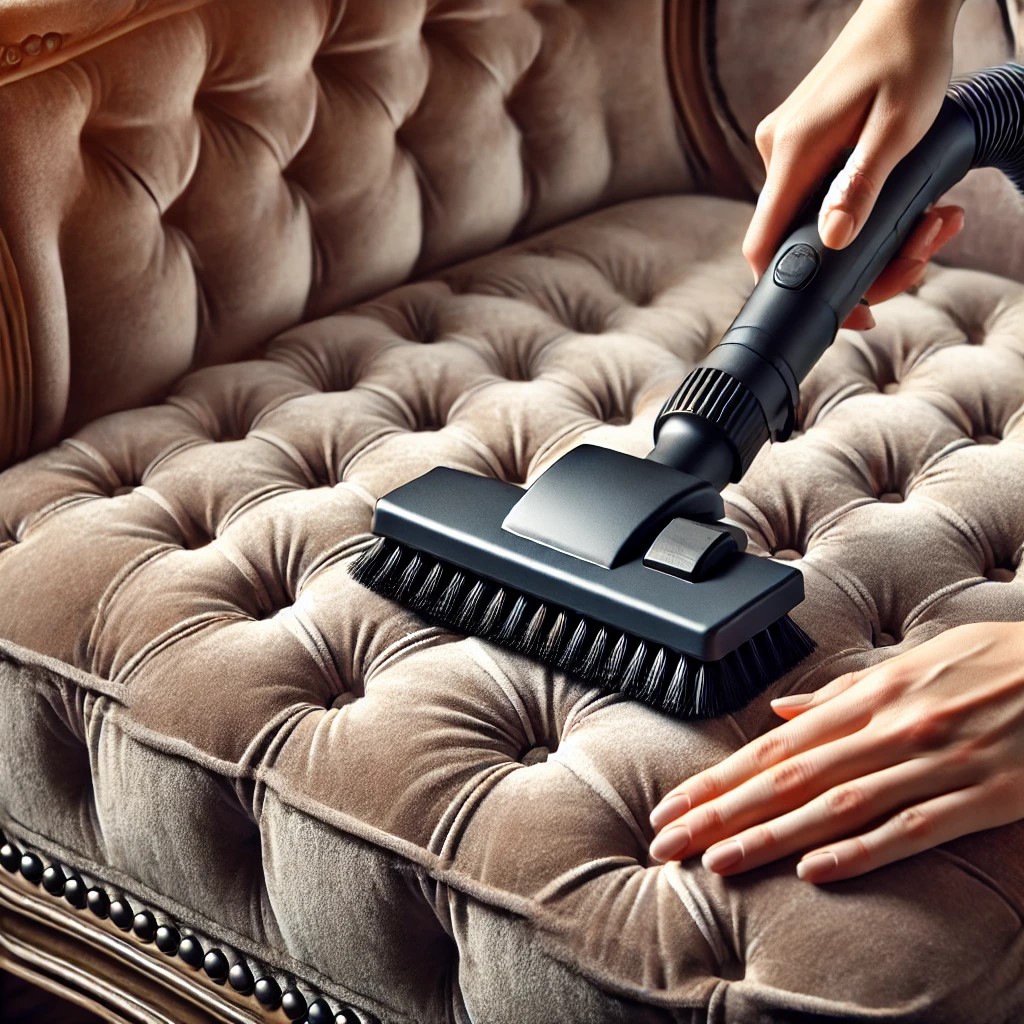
(797, 703)
(884, 141)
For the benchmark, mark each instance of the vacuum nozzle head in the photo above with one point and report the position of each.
(680, 618)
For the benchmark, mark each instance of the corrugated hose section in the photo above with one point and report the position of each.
(994, 101)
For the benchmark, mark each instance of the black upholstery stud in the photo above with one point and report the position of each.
(215, 963)
(268, 993)
(10, 857)
(98, 902)
(319, 1012)
(240, 978)
(32, 868)
(293, 1004)
(74, 892)
(144, 926)
(167, 939)
(191, 951)
(122, 914)
(345, 1017)
(54, 879)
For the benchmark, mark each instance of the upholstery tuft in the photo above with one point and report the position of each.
(181, 612)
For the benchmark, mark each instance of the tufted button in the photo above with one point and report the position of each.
(215, 964)
(31, 45)
(987, 439)
(268, 993)
(144, 926)
(122, 915)
(98, 902)
(190, 950)
(52, 41)
(31, 868)
(240, 978)
(885, 640)
(534, 755)
(1001, 574)
(891, 497)
(54, 879)
(168, 939)
(891, 388)
(787, 554)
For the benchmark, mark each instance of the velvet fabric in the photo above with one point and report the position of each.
(326, 231)
(200, 699)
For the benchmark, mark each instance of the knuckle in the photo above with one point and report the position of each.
(711, 819)
(769, 750)
(846, 801)
(925, 731)
(915, 823)
(764, 133)
(789, 778)
(1006, 791)
(788, 137)
(766, 838)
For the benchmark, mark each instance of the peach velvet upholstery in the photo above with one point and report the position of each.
(200, 707)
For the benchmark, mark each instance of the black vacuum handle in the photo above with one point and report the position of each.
(746, 390)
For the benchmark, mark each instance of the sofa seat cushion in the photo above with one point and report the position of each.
(202, 706)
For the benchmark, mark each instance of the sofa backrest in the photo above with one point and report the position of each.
(181, 180)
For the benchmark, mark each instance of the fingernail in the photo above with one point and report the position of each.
(723, 856)
(669, 808)
(793, 700)
(815, 867)
(670, 844)
(836, 228)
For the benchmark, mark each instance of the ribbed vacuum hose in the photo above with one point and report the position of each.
(994, 101)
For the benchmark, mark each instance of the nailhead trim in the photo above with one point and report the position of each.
(245, 976)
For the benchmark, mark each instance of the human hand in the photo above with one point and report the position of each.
(873, 767)
(878, 89)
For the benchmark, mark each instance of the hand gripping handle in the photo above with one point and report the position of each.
(745, 391)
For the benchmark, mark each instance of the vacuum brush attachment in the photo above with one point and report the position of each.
(620, 570)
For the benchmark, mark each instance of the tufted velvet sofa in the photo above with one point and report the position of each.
(262, 261)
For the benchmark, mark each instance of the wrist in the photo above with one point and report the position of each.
(941, 14)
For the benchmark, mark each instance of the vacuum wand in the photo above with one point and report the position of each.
(746, 391)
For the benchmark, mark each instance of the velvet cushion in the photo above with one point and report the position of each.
(200, 704)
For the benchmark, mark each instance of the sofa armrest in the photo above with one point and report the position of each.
(15, 365)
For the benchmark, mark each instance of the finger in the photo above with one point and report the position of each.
(840, 809)
(919, 827)
(860, 319)
(829, 723)
(787, 786)
(937, 227)
(797, 166)
(883, 143)
(796, 703)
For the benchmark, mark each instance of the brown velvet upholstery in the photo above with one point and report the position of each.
(276, 160)
(200, 706)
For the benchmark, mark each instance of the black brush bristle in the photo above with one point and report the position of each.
(594, 652)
